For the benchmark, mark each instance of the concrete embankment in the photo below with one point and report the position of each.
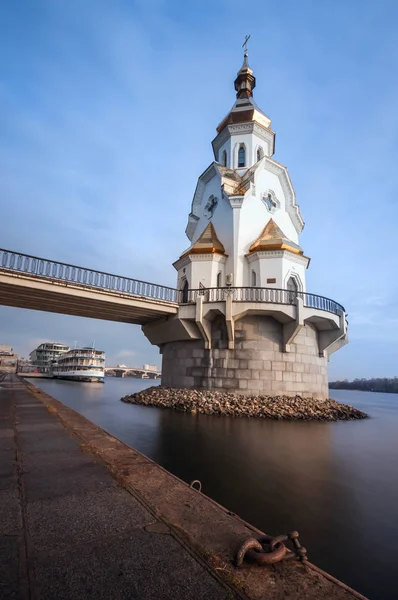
(35, 375)
(85, 516)
(211, 402)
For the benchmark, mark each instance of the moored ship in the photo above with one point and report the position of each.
(80, 364)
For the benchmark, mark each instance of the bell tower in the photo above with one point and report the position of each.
(241, 147)
(246, 321)
(249, 200)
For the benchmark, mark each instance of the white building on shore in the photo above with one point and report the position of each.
(42, 356)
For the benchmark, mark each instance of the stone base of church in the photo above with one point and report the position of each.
(256, 365)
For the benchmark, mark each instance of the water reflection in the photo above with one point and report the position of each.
(337, 483)
(279, 476)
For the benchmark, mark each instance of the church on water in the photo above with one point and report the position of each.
(246, 322)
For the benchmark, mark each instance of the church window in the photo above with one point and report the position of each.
(241, 156)
(271, 201)
(292, 284)
(292, 288)
(254, 279)
(224, 158)
(211, 206)
(219, 279)
(184, 290)
(260, 153)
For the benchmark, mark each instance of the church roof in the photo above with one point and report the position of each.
(273, 238)
(244, 111)
(245, 108)
(233, 183)
(207, 243)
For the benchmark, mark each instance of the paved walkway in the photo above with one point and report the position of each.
(68, 531)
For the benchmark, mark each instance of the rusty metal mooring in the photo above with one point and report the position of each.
(195, 483)
(268, 550)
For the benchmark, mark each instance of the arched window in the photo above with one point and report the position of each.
(184, 290)
(260, 153)
(224, 158)
(254, 279)
(219, 279)
(292, 288)
(241, 156)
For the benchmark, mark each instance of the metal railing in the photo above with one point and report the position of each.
(257, 294)
(16, 262)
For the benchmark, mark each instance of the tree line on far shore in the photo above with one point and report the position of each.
(377, 384)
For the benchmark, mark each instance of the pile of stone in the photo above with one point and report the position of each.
(209, 402)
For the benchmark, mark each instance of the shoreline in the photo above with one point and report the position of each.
(211, 402)
(211, 532)
(346, 389)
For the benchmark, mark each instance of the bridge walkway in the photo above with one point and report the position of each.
(68, 530)
(41, 284)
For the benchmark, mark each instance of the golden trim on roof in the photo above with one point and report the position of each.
(234, 184)
(249, 115)
(273, 238)
(207, 243)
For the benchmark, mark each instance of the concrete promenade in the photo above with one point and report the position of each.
(84, 516)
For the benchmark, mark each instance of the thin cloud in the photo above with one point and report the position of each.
(107, 114)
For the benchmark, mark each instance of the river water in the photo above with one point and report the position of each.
(336, 483)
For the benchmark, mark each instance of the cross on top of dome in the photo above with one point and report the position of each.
(245, 81)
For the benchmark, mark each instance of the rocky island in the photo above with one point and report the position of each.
(211, 402)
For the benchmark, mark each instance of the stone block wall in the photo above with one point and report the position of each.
(256, 365)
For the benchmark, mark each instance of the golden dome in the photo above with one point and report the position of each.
(207, 243)
(273, 238)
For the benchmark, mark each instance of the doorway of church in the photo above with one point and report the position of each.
(292, 289)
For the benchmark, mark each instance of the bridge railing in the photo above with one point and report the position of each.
(16, 262)
(257, 294)
(50, 269)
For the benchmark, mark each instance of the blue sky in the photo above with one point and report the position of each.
(107, 111)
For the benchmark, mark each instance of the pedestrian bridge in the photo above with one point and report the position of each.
(40, 284)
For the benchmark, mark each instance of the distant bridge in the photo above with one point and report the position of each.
(134, 371)
(41, 284)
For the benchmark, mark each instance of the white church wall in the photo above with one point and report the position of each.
(270, 268)
(264, 181)
(202, 270)
(254, 215)
(212, 188)
(184, 273)
(218, 268)
(245, 224)
(251, 142)
(291, 268)
(278, 268)
(222, 218)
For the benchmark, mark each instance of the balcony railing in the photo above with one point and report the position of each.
(257, 294)
(56, 271)
(15, 262)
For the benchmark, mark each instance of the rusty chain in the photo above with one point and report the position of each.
(268, 550)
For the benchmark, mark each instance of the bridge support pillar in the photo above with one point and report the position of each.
(251, 349)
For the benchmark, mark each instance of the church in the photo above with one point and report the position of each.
(246, 322)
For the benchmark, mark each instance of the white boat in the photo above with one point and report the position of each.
(80, 364)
